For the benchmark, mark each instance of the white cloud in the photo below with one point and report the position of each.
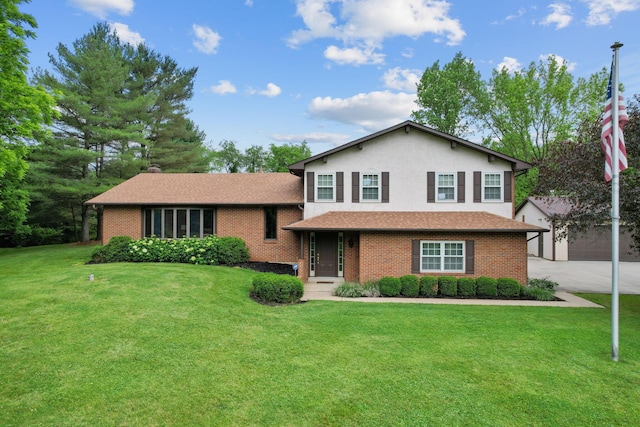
(248, 3)
(101, 8)
(559, 60)
(334, 139)
(511, 64)
(271, 91)
(601, 12)
(207, 40)
(355, 56)
(125, 34)
(223, 87)
(368, 22)
(373, 111)
(402, 79)
(560, 16)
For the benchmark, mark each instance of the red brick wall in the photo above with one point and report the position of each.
(121, 221)
(496, 254)
(248, 224)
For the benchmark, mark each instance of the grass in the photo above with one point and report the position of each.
(168, 344)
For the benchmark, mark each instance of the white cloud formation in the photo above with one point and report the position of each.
(207, 40)
(125, 34)
(511, 64)
(559, 60)
(334, 139)
(101, 8)
(223, 87)
(354, 55)
(601, 12)
(366, 23)
(401, 79)
(271, 91)
(560, 16)
(372, 111)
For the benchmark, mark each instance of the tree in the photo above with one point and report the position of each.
(281, 156)
(575, 170)
(228, 158)
(254, 158)
(448, 96)
(24, 109)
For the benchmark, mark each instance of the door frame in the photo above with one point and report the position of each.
(339, 253)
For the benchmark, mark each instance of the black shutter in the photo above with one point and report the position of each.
(507, 186)
(355, 187)
(339, 187)
(415, 256)
(460, 187)
(477, 187)
(431, 187)
(310, 187)
(385, 187)
(469, 257)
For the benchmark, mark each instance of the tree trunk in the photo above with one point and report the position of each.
(85, 223)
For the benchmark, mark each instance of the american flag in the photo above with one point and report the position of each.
(607, 133)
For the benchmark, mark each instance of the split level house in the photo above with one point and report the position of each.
(405, 200)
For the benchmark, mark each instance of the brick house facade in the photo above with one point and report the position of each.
(405, 200)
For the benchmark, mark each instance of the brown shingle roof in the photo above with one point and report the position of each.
(192, 188)
(413, 221)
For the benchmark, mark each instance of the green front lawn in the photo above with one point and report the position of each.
(169, 344)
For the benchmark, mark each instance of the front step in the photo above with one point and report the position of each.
(336, 281)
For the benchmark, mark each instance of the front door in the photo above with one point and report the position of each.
(327, 254)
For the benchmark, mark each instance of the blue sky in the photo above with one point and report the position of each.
(330, 71)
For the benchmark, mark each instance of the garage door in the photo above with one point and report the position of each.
(595, 246)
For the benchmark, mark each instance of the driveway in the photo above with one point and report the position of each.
(586, 276)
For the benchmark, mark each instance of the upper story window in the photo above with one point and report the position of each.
(442, 256)
(370, 187)
(446, 187)
(325, 190)
(492, 187)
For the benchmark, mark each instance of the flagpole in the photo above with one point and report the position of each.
(615, 202)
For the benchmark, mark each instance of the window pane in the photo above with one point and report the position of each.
(157, 222)
(446, 193)
(325, 193)
(270, 222)
(325, 180)
(181, 220)
(370, 180)
(431, 249)
(431, 263)
(445, 180)
(453, 263)
(492, 193)
(194, 223)
(369, 194)
(207, 225)
(147, 222)
(492, 179)
(168, 224)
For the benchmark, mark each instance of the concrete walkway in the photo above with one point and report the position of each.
(324, 292)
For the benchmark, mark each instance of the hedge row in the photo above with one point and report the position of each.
(448, 286)
(277, 288)
(211, 250)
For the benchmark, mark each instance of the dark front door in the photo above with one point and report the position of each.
(326, 254)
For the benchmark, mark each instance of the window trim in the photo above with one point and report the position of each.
(442, 244)
(317, 187)
(501, 187)
(149, 214)
(454, 199)
(378, 175)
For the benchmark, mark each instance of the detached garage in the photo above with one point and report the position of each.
(592, 246)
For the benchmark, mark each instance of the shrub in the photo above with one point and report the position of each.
(409, 286)
(545, 283)
(277, 288)
(389, 286)
(117, 250)
(348, 290)
(538, 294)
(448, 286)
(486, 287)
(508, 288)
(232, 251)
(370, 289)
(466, 286)
(428, 286)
